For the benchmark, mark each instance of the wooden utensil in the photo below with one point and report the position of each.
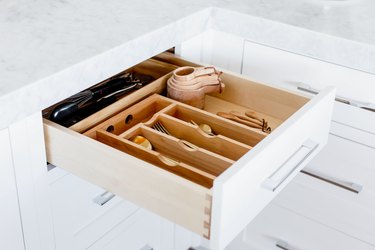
(265, 127)
(253, 115)
(244, 117)
(204, 127)
(239, 120)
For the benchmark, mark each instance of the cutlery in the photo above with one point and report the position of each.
(204, 127)
(89, 101)
(158, 126)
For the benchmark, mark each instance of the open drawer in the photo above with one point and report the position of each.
(252, 170)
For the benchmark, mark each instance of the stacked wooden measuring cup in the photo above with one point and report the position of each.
(190, 84)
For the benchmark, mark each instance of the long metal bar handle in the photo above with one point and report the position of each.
(282, 245)
(358, 104)
(290, 166)
(103, 198)
(350, 186)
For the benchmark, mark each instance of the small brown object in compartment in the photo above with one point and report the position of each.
(142, 141)
(204, 127)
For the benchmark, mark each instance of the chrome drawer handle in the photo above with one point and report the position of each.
(350, 186)
(282, 245)
(103, 198)
(358, 104)
(290, 166)
(147, 247)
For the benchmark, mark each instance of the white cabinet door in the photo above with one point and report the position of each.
(10, 223)
(278, 228)
(82, 212)
(142, 231)
(287, 69)
(29, 161)
(185, 239)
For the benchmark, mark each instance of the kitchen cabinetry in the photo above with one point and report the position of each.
(82, 212)
(335, 193)
(142, 231)
(279, 228)
(337, 189)
(222, 212)
(11, 236)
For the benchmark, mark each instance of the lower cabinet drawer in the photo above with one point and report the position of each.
(279, 228)
(82, 212)
(337, 208)
(143, 231)
(345, 163)
(231, 187)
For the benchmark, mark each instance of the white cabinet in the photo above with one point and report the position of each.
(10, 221)
(220, 211)
(82, 212)
(338, 194)
(290, 70)
(278, 228)
(338, 188)
(29, 161)
(143, 231)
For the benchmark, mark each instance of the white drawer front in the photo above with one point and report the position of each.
(337, 208)
(79, 220)
(346, 162)
(339, 190)
(11, 226)
(287, 69)
(277, 228)
(143, 231)
(240, 192)
(355, 117)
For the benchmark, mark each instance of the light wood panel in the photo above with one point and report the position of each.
(158, 158)
(219, 125)
(164, 193)
(155, 68)
(135, 114)
(218, 144)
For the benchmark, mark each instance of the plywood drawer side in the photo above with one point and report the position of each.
(160, 191)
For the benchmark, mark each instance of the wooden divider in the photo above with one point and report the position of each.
(218, 144)
(158, 158)
(184, 149)
(157, 69)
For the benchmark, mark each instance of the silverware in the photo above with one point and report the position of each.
(204, 127)
(158, 126)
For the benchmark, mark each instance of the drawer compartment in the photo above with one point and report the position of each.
(243, 182)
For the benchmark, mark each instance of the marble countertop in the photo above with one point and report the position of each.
(52, 49)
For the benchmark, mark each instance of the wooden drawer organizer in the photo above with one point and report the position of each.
(202, 162)
(214, 189)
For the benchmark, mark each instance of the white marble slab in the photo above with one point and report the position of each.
(52, 49)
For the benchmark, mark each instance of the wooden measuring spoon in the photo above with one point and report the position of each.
(244, 117)
(237, 119)
(253, 115)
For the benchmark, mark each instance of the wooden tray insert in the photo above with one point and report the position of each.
(152, 67)
(186, 151)
(141, 112)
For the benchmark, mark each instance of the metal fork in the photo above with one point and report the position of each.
(158, 126)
